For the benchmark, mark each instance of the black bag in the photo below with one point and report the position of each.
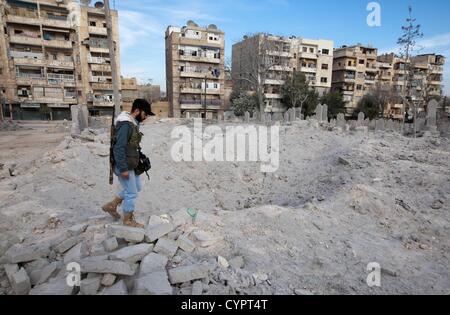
(144, 165)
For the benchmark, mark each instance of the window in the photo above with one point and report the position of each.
(104, 25)
(311, 50)
(182, 68)
(359, 87)
(362, 61)
(324, 66)
(92, 23)
(323, 80)
(305, 49)
(339, 64)
(325, 52)
(349, 63)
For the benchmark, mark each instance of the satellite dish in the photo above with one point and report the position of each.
(99, 5)
(86, 2)
(212, 26)
(191, 23)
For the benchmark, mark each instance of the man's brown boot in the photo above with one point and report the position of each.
(111, 208)
(128, 220)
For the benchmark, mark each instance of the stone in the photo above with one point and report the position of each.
(108, 280)
(20, 282)
(205, 239)
(166, 247)
(153, 262)
(181, 217)
(77, 230)
(174, 235)
(155, 231)
(20, 253)
(76, 253)
(50, 271)
(97, 250)
(379, 125)
(188, 273)
(119, 288)
(343, 161)
(325, 113)
(340, 121)
(360, 121)
(319, 112)
(185, 244)
(247, 117)
(362, 129)
(97, 258)
(130, 234)
(57, 287)
(155, 283)
(132, 254)
(108, 266)
(110, 244)
(237, 262)
(10, 270)
(197, 288)
(67, 244)
(223, 263)
(90, 286)
(432, 115)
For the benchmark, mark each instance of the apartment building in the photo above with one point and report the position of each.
(46, 49)
(355, 71)
(130, 92)
(195, 70)
(284, 56)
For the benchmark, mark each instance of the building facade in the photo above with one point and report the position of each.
(46, 49)
(282, 57)
(195, 76)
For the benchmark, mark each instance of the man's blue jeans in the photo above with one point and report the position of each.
(129, 190)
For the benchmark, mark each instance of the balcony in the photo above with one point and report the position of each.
(283, 54)
(200, 59)
(102, 103)
(199, 91)
(98, 60)
(57, 43)
(99, 50)
(56, 21)
(435, 82)
(25, 40)
(349, 78)
(308, 55)
(97, 30)
(57, 78)
(28, 20)
(102, 86)
(346, 92)
(30, 79)
(196, 42)
(67, 64)
(274, 82)
(434, 93)
(29, 62)
(281, 68)
(101, 68)
(308, 69)
(371, 69)
(273, 95)
(199, 104)
(437, 70)
(100, 79)
(370, 80)
(195, 74)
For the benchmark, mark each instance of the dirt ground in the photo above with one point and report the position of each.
(337, 203)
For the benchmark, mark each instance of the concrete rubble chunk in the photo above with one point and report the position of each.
(188, 273)
(204, 239)
(76, 253)
(20, 253)
(237, 262)
(49, 271)
(20, 282)
(223, 263)
(153, 262)
(197, 288)
(110, 244)
(130, 234)
(155, 283)
(132, 254)
(57, 287)
(108, 280)
(90, 286)
(119, 288)
(67, 244)
(97, 250)
(181, 217)
(37, 264)
(77, 230)
(10, 270)
(97, 258)
(108, 266)
(158, 230)
(166, 247)
(185, 243)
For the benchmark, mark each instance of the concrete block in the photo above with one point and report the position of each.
(237, 262)
(223, 263)
(155, 283)
(37, 264)
(20, 253)
(197, 288)
(90, 286)
(97, 250)
(204, 239)
(57, 287)
(188, 273)
(132, 254)
(77, 230)
(21, 283)
(76, 253)
(108, 266)
(10, 270)
(185, 243)
(130, 234)
(153, 262)
(50, 271)
(108, 280)
(181, 217)
(166, 247)
(67, 244)
(119, 288)
(158, 230)
(110, 244)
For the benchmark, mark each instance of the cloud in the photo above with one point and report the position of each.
(136, 27)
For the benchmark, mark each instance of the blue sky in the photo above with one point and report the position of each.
(143, 23)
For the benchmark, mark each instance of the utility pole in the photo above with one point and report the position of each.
(204, 108)
(112, 55)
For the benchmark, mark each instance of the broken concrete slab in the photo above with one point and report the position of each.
(237, 262)
(188, 273)
(128, 233)
(119, 288)
(181, 217)
(132, 254)
(185, 243)
(77, 230)
(166, 247)
(204, 239)
(110, 244)
(77, 253)
(20, 253)
(90, 286)
(50, 271)
(108, 280)
(151, 263)
(108, 266)
(67, 244)
(56, 287)
(10, 270)
(158, 230)
(223, 263)
(197, 288)
(20, 282)
(37, 264)
(155, 283)
(97, 250)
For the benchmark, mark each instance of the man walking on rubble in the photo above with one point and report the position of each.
(126, 150)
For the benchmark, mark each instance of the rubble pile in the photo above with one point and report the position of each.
(10, 125)
(118, 260)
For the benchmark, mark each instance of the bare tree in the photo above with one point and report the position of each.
(256, 56)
